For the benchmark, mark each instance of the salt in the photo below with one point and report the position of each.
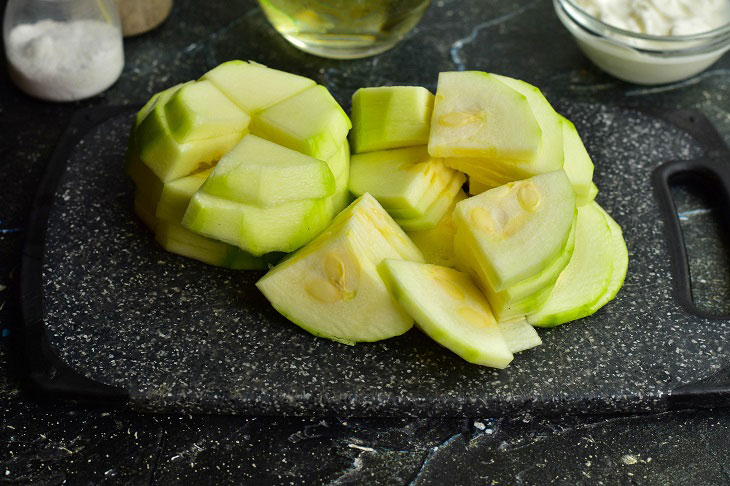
(65, 61)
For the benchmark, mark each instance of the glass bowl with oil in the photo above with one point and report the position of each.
(344, 29)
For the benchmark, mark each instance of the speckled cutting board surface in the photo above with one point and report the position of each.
(176, 334)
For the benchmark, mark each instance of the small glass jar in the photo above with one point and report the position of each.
(63, 50)
(642, 58)
(140, 16)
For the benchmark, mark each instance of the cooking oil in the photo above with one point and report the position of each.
(344, 29)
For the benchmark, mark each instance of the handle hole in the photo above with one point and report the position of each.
(703, 210)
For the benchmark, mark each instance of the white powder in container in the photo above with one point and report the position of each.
(64, 61)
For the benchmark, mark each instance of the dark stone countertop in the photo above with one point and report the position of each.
(51, 443)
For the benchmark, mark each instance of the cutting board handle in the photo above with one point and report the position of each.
(716, 173)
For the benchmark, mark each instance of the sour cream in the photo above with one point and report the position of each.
(660, 17)
(664, 56)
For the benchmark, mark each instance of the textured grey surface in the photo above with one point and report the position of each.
(54, 446)
(181, 335)
(48, 443)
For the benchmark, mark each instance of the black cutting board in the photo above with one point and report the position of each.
(110, 316)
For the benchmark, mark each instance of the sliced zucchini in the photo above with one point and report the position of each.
(405, 181)
(331, 287)
(449, 308)
(519, 229)
(477, 115)
(263, 173)
(257, 230)
(390, 117)
(586, 277)
(437, 244)
(436, 211)
(519, 334)
(199, 111)
(310, 122)
(255, 87)
(578, 164)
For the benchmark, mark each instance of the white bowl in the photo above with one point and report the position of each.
(641, 58)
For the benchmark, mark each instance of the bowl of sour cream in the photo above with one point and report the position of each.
(649, 41)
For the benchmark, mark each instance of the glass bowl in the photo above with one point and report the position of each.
(642, 58)
(344, 29)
